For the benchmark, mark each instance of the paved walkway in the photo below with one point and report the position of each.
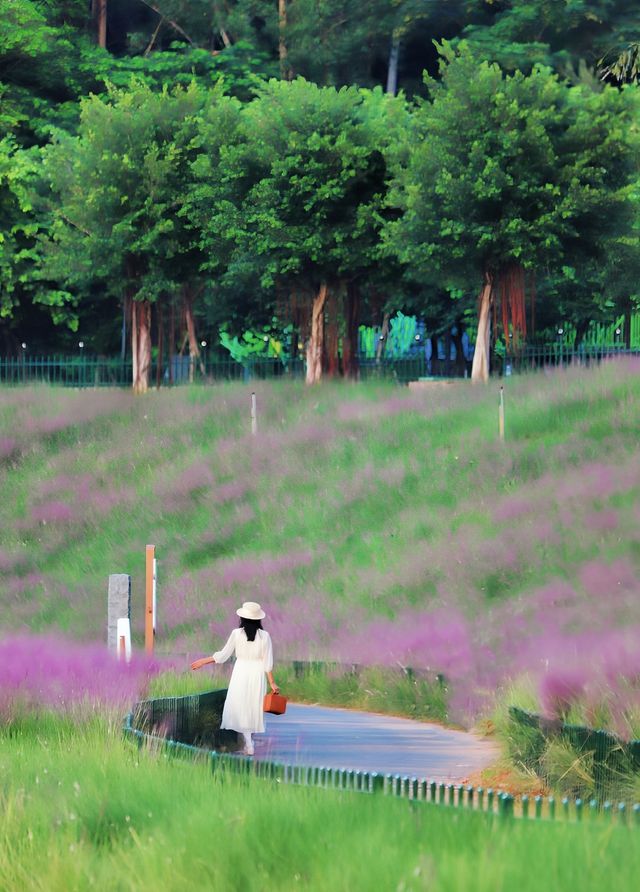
(341, 738)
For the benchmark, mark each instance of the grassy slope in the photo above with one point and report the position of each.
(81, 810)
(354, 506)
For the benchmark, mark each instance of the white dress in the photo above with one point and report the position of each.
(243, 709)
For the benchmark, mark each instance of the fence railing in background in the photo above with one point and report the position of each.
(534, 357)
(416, 790)
(97, 371)
(100, 371)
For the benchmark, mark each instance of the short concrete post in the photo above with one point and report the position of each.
(118, 606)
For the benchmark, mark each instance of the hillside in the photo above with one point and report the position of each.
(377, 525)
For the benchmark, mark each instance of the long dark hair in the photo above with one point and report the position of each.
(250, 627)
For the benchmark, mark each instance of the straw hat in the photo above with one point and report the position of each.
(251, 610)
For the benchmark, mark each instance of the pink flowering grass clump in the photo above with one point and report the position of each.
(47, 673)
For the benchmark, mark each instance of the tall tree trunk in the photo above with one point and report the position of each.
(435, 356)
(160, 324)
(350, 339)
(172, 337)
(285, 71)
(460, 362)
(382, 340)
(194, 350)
(99, 12)
(123, 337)
(447, 353)
(331, 337)
(316, 338)
(581, 329)
(141, 344)
(627, 325)
(392, 70)
(480, 367)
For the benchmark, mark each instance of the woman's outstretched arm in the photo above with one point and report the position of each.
(198, 664)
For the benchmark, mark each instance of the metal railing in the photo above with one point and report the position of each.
(534, 357)
(103, 371)
(612, 757)
(99, 371)
(418, 790)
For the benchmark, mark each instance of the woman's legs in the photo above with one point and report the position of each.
(248, 742)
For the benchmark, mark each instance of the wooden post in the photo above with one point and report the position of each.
(501, 415)
(254, 415)
(155, 589)
(148, 613)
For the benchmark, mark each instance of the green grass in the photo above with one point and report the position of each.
(83, 809)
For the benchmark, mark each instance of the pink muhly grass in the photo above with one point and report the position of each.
(602, 521)
(560, 689)
(50, 673)
(244, 570)
(197, 476)
(512, 509)
(8, 447)
(230, 492)
(55, 512)
(600, 579)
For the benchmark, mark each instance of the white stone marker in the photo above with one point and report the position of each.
(118, 606)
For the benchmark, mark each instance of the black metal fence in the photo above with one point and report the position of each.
(103, 371)
(613, 759)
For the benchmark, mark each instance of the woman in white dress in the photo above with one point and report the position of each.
(243, 708)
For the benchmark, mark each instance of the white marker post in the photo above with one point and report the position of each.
(254, 415)
(124, 639)
(501, 415)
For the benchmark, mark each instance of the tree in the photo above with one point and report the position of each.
(296, 203)
(559, 33)
(116, 198)
(508, 174)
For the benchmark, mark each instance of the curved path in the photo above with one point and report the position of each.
(341, 738)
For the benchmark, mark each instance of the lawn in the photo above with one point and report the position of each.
(83, 809)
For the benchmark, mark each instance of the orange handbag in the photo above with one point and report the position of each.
(275, 703)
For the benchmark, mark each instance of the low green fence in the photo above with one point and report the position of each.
(193, 719)
(613, 758)
(413, 789)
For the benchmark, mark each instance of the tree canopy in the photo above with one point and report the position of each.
(180, 164)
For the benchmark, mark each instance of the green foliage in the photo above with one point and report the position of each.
(298, 193)
(240, 68)
(513, 169)
(560, 33)
(20, 225)
(117, 191)
(86, 805)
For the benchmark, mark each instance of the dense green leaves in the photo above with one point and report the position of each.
(188, 168)
(513, 169)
